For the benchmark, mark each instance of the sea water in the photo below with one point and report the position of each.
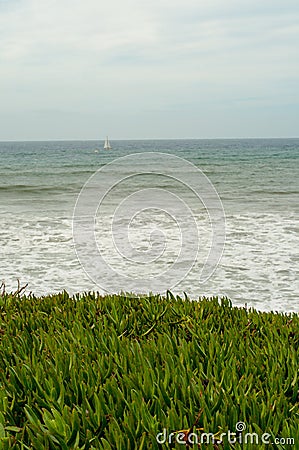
(257, 181)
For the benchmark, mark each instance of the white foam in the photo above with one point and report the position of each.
(259, 265)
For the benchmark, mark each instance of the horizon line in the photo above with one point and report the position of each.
(148, 139)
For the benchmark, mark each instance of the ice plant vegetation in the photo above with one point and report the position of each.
(111, 372)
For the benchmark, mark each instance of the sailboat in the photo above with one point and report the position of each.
(107, 145)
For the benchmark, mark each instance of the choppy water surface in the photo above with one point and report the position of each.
(257, 181)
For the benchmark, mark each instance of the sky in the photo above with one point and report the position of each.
(148, 69)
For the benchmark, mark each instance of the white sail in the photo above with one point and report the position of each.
(107, 145)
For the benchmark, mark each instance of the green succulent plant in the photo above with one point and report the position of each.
(111, 372)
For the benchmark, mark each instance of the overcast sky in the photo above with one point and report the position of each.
(136, 69)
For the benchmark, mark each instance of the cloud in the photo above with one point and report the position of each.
(138, 56)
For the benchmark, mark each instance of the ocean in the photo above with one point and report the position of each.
(139, 210)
